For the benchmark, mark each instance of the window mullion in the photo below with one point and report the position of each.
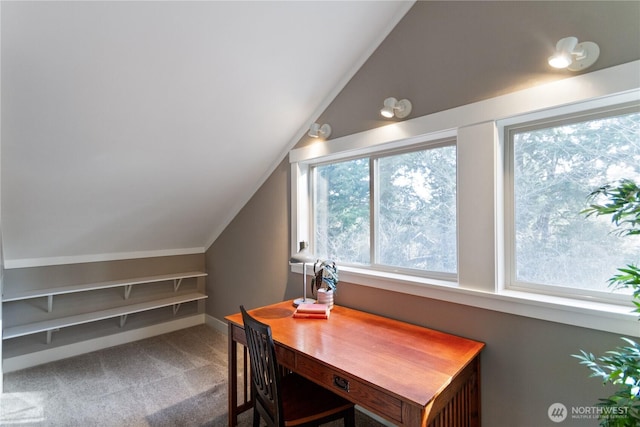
(509, 211)
(373, 208)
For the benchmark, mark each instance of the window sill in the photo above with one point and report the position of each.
(601, 316)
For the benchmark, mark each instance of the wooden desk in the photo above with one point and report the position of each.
(407, 374)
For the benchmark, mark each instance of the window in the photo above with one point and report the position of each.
(393, 211)
(554, 165)
(403, 233)
(341, 200)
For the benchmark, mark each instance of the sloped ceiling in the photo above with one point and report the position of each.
(141, 128)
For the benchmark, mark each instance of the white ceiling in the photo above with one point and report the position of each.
(142, 128)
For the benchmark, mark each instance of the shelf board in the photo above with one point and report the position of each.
(53, 324)
(22, 295)
(31, 350)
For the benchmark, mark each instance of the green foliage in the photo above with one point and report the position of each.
(623, 206)
(342, 210)
(629, 278)
(619, 367)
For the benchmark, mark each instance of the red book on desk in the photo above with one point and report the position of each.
(312, 311)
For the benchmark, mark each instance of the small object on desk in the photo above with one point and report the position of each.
(325, 281)
(439, 384)
(325, 296)
(302, 258)
(312, 311)
(312, 308)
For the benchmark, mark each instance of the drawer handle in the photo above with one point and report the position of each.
(341, 383)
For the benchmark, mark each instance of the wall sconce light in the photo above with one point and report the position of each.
(393, 107)
(573, 55)
(319, 131)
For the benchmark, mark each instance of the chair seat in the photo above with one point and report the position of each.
(305, 401)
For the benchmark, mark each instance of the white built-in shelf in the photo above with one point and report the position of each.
(17, 295)
(53, 324)
(91, 302)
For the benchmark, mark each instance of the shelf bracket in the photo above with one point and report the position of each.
(123, 320)
(127, 291)
(49, 303)
(176, 307)
(176, 284)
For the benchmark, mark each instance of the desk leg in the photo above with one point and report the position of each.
(476, 416)
(233, 379)
(459, 403)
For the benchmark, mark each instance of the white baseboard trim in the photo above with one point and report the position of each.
(217, 324)
(63, 352)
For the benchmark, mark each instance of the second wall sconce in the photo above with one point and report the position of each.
(393, 107)
(317, 130)
(574, 56)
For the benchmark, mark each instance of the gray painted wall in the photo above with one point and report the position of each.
(446, 54)
(442, 55)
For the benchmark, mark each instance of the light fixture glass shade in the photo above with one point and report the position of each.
(300, 259)
(385, 112)
(316, 130)
(393, 107)
(564, 48)
(389, 105)
(573, 55)
(560, 60)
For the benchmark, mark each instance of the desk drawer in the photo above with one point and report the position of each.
(352, 389)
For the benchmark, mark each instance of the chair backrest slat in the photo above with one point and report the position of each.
(265, 375)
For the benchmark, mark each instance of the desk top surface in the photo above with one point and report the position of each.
(412, 362)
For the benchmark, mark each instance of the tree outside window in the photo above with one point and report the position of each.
(407, 198)
(554, 166)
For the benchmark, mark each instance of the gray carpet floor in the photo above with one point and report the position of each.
(176, 379)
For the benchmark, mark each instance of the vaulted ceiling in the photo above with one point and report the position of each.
(143, 127)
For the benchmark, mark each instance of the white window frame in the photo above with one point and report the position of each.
(478, 129)
(373, 157)
(551, 118)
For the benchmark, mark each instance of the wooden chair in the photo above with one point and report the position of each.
(287, 399)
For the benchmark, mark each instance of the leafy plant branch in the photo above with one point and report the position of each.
(619, 367)
(623, 206)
